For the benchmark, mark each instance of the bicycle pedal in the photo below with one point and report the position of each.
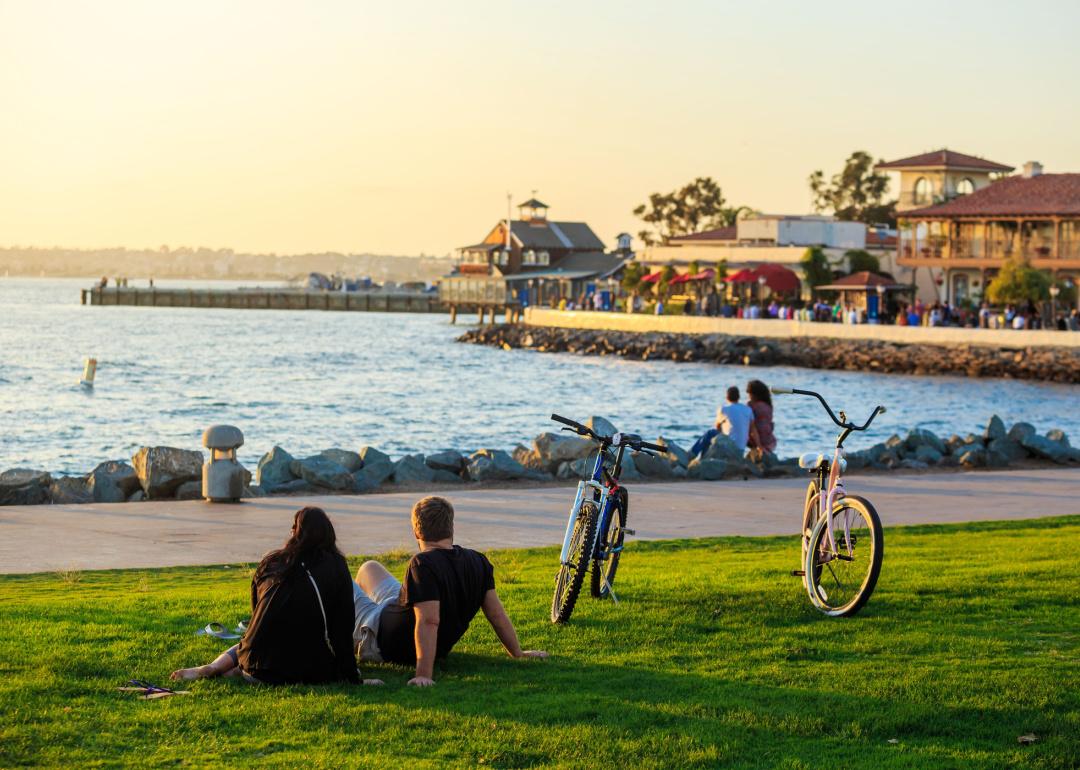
(629, 531)
(798, 573)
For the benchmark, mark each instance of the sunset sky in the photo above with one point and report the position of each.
(398, 128)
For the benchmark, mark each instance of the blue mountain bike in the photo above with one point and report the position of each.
(597, 525)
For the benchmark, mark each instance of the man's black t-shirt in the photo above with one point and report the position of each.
(458, 578)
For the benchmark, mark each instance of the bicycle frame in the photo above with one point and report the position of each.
(604, 485)
(832, 487)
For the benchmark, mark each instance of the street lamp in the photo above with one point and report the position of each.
(761, 289)
(1054, 291)
(880, 302)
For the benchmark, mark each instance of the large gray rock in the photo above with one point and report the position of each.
(189, 490)
(601, 425)
(530, 458)
(411, 469)
(722, 448)
(294, 487)
(1044, 448)
(378, 467)
(912, 464)
(1007, 448)
(995, 458)
(350, 461)
(161, 469)
(554, 449)
(112, 482)
(497, 465)
(927, 454)
(450, 461)
(446, 477)
(706, 469)
(320, 471)
(360, 482)
(995, 429)
(655, 467)
(22, 486)
(676, 453)
(1021, 431)
(274, 469)
(974, 457)
(66, 490)
(922, 437)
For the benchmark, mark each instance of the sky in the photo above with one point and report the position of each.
(399, 128)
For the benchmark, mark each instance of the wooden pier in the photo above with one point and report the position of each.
(266, 299)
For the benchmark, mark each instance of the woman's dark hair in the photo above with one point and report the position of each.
(758, 391)
(312, 533)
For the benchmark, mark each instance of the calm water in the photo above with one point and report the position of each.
(308, 380)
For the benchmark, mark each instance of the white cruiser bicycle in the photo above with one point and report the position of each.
(842, 542)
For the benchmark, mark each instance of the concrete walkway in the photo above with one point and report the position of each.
(169, 533)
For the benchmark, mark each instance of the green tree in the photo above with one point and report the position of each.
(721, 271)
(860, 260)
(815, 267)
(856, 194)
(1018, 282)
(694, 267)
(666, 274)
(631, 278)
(695, 207)
(729, 216)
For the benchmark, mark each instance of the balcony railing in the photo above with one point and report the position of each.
(980, 248)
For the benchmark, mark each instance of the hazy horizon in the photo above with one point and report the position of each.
(356, 127)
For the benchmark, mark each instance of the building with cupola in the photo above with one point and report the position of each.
(539, 259)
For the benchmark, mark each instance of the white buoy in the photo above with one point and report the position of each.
(89, 371)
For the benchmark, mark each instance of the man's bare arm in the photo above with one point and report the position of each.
(504, 629)
(426, 636)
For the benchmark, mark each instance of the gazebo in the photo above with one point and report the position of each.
(866, 291)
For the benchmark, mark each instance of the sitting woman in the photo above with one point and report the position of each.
(302, 614)
(761, 429)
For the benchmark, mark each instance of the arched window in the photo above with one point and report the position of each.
(923, 190)
(965, 187)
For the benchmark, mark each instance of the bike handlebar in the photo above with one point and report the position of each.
(630, 440)
(849, 426)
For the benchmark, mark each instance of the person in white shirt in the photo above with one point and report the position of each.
(734, 419)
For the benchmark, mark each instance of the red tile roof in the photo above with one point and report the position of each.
(863, 280)
(719, 234)
(1044, 195)
(942, 158)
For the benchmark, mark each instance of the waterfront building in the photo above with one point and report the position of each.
(536, 260)
(964, 240)
(779, 239)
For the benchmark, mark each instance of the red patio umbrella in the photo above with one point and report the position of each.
(777, 277)
(651, 277)
(743, 276)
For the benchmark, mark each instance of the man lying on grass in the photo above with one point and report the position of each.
(419, 621)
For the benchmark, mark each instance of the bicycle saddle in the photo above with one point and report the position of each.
(817, 459)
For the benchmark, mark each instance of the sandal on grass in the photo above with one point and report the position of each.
(218, 631)
(150, 691)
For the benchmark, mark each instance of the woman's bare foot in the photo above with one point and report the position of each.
(190, 674)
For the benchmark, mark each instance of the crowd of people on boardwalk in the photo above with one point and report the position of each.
(917, 313)
(311, 621)
(749, 426)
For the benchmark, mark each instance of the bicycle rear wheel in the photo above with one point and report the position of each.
(603, 574)
(840, 582)
(571, 574)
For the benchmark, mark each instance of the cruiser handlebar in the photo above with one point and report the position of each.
(845, 423)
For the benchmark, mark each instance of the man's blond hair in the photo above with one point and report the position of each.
(433, 519)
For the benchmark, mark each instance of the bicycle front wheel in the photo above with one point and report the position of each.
(571, 574)
(841, 579)
(603, 574)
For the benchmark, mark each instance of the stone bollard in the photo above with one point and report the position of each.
(222, 476)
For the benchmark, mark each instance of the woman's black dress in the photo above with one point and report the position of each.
(287, 641)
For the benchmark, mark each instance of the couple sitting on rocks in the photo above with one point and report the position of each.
(748, 425)
(310, 621)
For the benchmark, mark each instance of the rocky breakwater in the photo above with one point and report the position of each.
(168, 473)
(1051, 364)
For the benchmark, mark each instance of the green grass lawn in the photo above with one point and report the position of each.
(713, 658)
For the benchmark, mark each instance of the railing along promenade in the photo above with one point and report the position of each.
(265, 299)
(771, 327)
